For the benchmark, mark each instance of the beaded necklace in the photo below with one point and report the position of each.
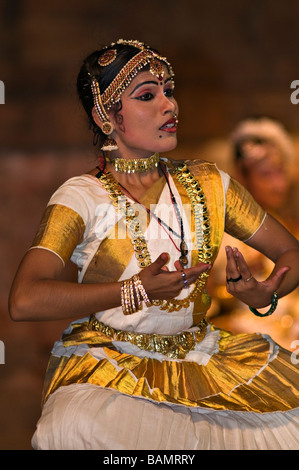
(202, 228)
(136, 165)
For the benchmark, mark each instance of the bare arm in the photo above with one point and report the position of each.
(38, 293)
(279, 245)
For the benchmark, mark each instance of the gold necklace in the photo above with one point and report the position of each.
(202, 228)
(136, 165)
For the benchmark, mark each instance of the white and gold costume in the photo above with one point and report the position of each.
(159, 378)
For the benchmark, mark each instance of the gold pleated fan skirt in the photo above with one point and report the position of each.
(241, 375)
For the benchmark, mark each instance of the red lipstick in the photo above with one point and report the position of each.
(170, 125)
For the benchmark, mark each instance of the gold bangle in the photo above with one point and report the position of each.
(128, 292)
(132, 292)
(125, 298)
(132, 296)
(138, 297)
(122, 296)
(139, 287)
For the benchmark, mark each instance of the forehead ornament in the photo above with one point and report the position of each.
(156, 68)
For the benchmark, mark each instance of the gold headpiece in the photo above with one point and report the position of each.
(145, 56)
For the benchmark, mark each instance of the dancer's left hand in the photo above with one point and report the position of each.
(242, 285)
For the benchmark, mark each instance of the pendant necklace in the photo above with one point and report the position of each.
(183, 245)
(183, 249)
(202, 229)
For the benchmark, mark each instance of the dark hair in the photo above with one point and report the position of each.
(104, 76)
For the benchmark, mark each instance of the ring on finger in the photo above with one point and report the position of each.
(184, 280)
(230, 279)
(249, 279)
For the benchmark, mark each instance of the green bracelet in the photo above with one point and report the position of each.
(274, 302)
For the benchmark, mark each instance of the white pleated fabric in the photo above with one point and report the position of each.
(87, 417)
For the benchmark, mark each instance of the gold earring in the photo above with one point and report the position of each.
(109, 145)
(107, 128)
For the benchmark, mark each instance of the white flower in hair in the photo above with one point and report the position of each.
(267, 129)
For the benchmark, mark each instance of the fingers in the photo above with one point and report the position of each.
(159, 264)
(159, 281)
(232, 270)
(239, 280)
(185, 280)
(199, 268)
(189, 275)
(236, 268)
(244, 286)
(178, 266)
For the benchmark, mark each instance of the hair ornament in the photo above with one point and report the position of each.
(266, 129)
(107, 57)
(107, 127)
(131, 42)
(129, 71)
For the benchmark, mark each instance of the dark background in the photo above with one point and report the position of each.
(232, 58)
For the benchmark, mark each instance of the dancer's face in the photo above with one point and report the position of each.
(147, 121)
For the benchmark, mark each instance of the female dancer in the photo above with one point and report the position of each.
(140, 367)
